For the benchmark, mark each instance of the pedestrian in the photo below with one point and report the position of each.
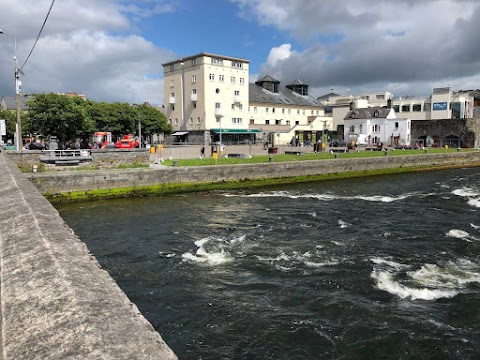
(202, 152)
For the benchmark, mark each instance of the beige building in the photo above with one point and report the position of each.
(208, 97)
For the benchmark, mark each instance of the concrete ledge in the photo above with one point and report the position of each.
(56, 301)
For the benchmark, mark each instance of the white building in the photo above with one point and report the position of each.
(375, 126)
(208, 96)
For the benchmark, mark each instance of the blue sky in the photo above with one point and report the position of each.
(112, 50)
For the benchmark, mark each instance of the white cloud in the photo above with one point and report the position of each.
(86, 47)
(404, 45)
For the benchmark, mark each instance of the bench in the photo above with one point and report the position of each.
(293, 152)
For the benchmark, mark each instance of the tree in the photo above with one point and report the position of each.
(10, 118)
(153, 120)
(57, 115)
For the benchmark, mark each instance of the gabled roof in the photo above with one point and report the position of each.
(9, 102)
(327, 96)
(284, 96)
(376, 112)
(267, 78)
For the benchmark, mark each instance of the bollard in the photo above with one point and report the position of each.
(34, 168)
(386, 153)
(175, 163)
(336, 156)
(270, 159)
(426, 150)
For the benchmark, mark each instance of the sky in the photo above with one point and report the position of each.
(113, 50)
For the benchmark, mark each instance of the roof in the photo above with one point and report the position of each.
(206, 54)
(267, 78)
(368, 113)
(9, 102)
(327, 96)
(284, 96)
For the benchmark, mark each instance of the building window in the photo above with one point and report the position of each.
(303, 112)
(211, 77)
(360, 128)
(172, 107)
(198, 120)
(191, 121)
(233, 106)
(267, 122)
(194, 79)
(254, 109)
(237, 121)
(176, 121)
(381, 97)
(217, 105)
(289, 111)
(172, 95)
(172, 67)
(396, 124)
(172, 83)
(194, 62)
(232, 79)
(376, 128)
(240, 106)
(237, 64)
(417, 107)
(376, 113)
(242, 80)
(266, 110)
(297, 122)
(237, 93)
(427, 107)
(220, 78)
(170, 121)
(217, 61)
(311, 113)
(194, 91)
(318, 112)
(194, 104)
(252, 122)
(278, 122)
(396, 108)
(273, 110)
(283, 111)
(298, 112)
(405, 108)
(288, 122)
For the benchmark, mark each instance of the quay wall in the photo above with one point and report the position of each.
(56, 301)
(57, 183)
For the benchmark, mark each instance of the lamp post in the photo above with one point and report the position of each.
(18, 85)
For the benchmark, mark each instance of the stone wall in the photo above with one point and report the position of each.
(467, 130)
(102, 159)
(96, 180)
(56, 301)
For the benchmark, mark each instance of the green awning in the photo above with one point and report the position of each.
(237, 131)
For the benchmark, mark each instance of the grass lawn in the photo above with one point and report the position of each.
(309, 156)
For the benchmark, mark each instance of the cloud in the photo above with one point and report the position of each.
(400, 45)
(87, 47)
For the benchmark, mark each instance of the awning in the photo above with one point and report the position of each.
(179, 133)
(237, 131)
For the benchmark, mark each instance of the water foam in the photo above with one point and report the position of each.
(459, 234)
(474, 202)
(212, 251)
(343, 224)
(466, 192)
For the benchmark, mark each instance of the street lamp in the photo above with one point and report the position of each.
(18, 85)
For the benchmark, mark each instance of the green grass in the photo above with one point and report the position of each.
(309, 156)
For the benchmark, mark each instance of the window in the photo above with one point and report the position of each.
(191, 121)
(267, 122)
(237, 121)
(237, 64)
(288, 122)
(172, 95)
(396, 124)
(198, 120)
(427, 107)
(232, 79)
(170, 121)
(172, 107)
(376, 113)
(220, 78)
(376, 128)
(172, 67)
(303, 112)
(298, 112)
(211, 77)
(237, 93)
(273, 110)
(194, 91)
(172, 83)
(194, 62)
(289, 110)
(381, 97)
(217, 61)
(240, 107)
(252, 122)
(283, 111)
(194, 79)
(396, 108)
(254, 109)
(217, 105)
(318, 112)
(297, 122)
(406, 108)
(360, 128)
(278, 122)
(311, 113)
(242, 80)
(194, 104)
(176, 121)
(266, 110)
(417, 107)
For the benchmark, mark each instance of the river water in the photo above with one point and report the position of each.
(373, 268)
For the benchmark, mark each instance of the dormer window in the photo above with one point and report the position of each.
(376, 113)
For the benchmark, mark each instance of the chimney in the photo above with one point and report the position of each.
(389, 103)
(352, 106)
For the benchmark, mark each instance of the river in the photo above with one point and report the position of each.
(382, 267)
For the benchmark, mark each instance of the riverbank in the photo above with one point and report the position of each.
(86, 185)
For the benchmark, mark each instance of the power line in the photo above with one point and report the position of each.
(38, 36)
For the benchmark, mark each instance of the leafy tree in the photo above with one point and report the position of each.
(58, 115)
(153, 120)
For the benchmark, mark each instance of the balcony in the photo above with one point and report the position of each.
(171, 100)
(193, 97)
(218, 112)
(237, 99)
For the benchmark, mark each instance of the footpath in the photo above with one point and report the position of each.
(56, 301)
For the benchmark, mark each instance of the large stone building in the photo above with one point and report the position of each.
(209, 96)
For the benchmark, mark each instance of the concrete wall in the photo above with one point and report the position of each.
(55, 183)
(56, 301)
(467, 130)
